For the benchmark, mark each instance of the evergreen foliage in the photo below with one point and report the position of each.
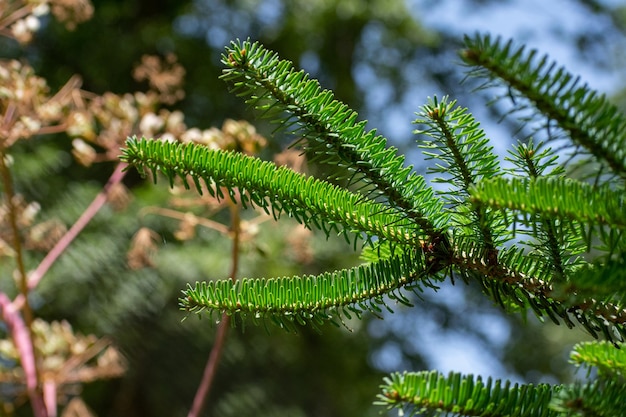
(541, 236)
(466, 395)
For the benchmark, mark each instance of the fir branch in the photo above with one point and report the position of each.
(602, 398)
(312, 299)
(277, 189)
(463, 152)
(273, 86)
(550, 239)
(512, 279)
(587, 117)
(605, 280)
(460, 395)
(458, 142)
(571, 201)
(290, 192)
(534, 160)
(517, 281)
(602, 355)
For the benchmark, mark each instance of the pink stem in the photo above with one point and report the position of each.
(83, 220)
(21, 338)
(216, 352)
(50, 397)
(19, 331)
(211, 368)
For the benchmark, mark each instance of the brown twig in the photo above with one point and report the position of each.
(9, 194)
(216, 352)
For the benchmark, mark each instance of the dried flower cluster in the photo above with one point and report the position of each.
(65, 358)
(164, 76)
(142, 248)
(103, 122)
(20, 20)
(36, 236)
(71, 12)
(234, 135)
(29, 110)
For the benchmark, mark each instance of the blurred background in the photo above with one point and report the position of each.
(384, 59)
